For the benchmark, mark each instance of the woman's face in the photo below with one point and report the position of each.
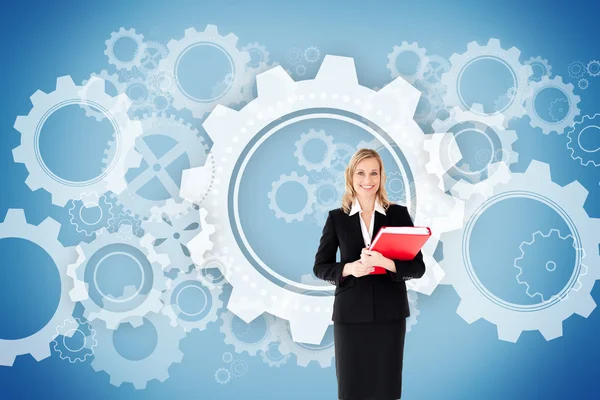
(366, 178)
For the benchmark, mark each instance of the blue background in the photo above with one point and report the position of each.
(445, 357)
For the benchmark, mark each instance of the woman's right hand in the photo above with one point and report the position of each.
(358, 269)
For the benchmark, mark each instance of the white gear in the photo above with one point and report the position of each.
(114, 80)
(239, 345)
(113, 177)
(177, 49)
(68, 328)
(125, 226)
(492, 49)
(312, 54)
(274, 360)
(137, 57)
(256, 48)
(91, 200)
(293, 55)
(335, 87)
(593, 68)
(327, 157)
(585, 156)
(139, 372)
(537, 121)
(44, 235)
(222, 375)
(421, 66)
(543, 64)
(311, 197)
(149, 62)
(132, 306)
(213, 260)
(512, 319)
(577, 69)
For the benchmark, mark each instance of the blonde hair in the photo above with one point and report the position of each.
(350, 194)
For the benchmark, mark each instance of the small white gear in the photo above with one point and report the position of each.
(139, 372)
(312, 54)
(258, 49)
(274, 360)
(537, 121)
(210, 262)
(583, 84)
(44, 105)
(578, 152)
(294, 55)
(133, 305)
(160, 102)
(139, 92)
(436, 67)
(44, 235)
(492, 49)
(300, 69)
(557, 108)
(524, 275)
(328, 185)
(593, 68)
(543, 64)
(69, 328)
(125, 226)
(311, 197)
(228, 44)
(91, 200)
(327, 156)
(238, 368)
(113, 79)
(153, 53)
(577, 69)
(177, 313)
(136, 59)
(512, 319)
(420, 68)
(222, 376)
(262, 343)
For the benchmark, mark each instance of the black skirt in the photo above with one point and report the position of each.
(368, 359)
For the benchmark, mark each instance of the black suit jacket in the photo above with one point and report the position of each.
(372, 297)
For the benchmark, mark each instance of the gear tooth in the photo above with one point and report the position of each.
(19, 154)
(508, 334)
(50, 227)
(211, 30)
(37, 98)
(232, 39)
(64, 83)
(340, 70)
(220, 115)
(33, 183)
(15, 217)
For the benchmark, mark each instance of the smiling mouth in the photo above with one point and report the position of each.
(367, 187)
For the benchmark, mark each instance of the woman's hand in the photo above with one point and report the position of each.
(359, 269)
(372, 258)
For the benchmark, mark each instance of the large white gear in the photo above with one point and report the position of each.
(443, 155)
(262, 344)
(114, 311)
(239, 59)
(327, 157)
(139, 372)
(44, 235)
(493, 49)
(311, 197)
(537, 121)
(66, 93)
(173, 310)
(584, 156)
(547, 317)
(335, 87)
(422, 64)
(136, 59)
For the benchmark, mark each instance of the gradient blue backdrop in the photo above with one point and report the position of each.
(445, 357)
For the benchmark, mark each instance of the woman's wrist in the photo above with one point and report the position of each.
(347, 270)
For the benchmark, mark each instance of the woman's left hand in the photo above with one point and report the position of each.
(372, 258)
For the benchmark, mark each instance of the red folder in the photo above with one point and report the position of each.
(399, 243)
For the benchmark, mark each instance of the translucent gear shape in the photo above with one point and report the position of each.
(577, 69)
(436, 67)
(239, 345)
(138, 55)
(68, 328)
(510, 58)
(327, 156)
(139, 372)
(210, 261)
(125, 226)
(91, 200)
(66, 93)
(512, 319)
(537, 121)
(335, 87)
(276, 360)
(337, 186)
(593, 68)
(312, 54)
(443, 156)
(557, 107)
(260, 50)
(311, 197)
(173, 310)
(228, 44)
(153, 53)
(578, 152)
(44, 235)
(114, 80)
(583, 84)
(541, 63)
(293, 55)
(554, 235)
(133, 305)
(421, 66)
(238, 368)
(222, 376)
(134, 86)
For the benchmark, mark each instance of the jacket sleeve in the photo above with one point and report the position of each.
(408, 269)
(326, 267)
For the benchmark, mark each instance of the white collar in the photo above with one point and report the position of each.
(356, 207)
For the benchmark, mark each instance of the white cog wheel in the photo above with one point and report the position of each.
(222, 376)
(510, 58)
(261, 344)
(537, 121)
(133, 305)
(541, 63)
(258, 49)
(114, 80)
(312, 54)
(176, 312)
(311, 197)
(211, 261)
(91, 200)
(578, 152)
(593, 68)
(192, 38)
(547, 317)
(68, 328)
(44, 235)
(436, 67)
(577, 69)
(327, 157)
(137, 57)
(139, 372)
(274, 360)
(421, 67)
(66, 93)
(153, 53)
(335, 87)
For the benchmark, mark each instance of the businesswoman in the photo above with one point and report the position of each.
(369, 311)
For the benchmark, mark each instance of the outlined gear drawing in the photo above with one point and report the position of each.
(44, 235)
(311, 197)
(492, 50)
(101, 222)
(125, 226)
(294, 55)
(312, 54)
(139, 372)
(547, 317)
(593, 68)
(335, 87)
(222, 376)
(273, 357)
(537, 121)
(227, 44)
(132, 305)
(66, 93)
(583, 84)
(327, 156)
(557, 108)
(136, 59)
(72, 327)
(436, 67)
(526, 276)
(578, 152)
(210, 262)
(405, 47)
(577, 69)
(231, 335)
(238, 368)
